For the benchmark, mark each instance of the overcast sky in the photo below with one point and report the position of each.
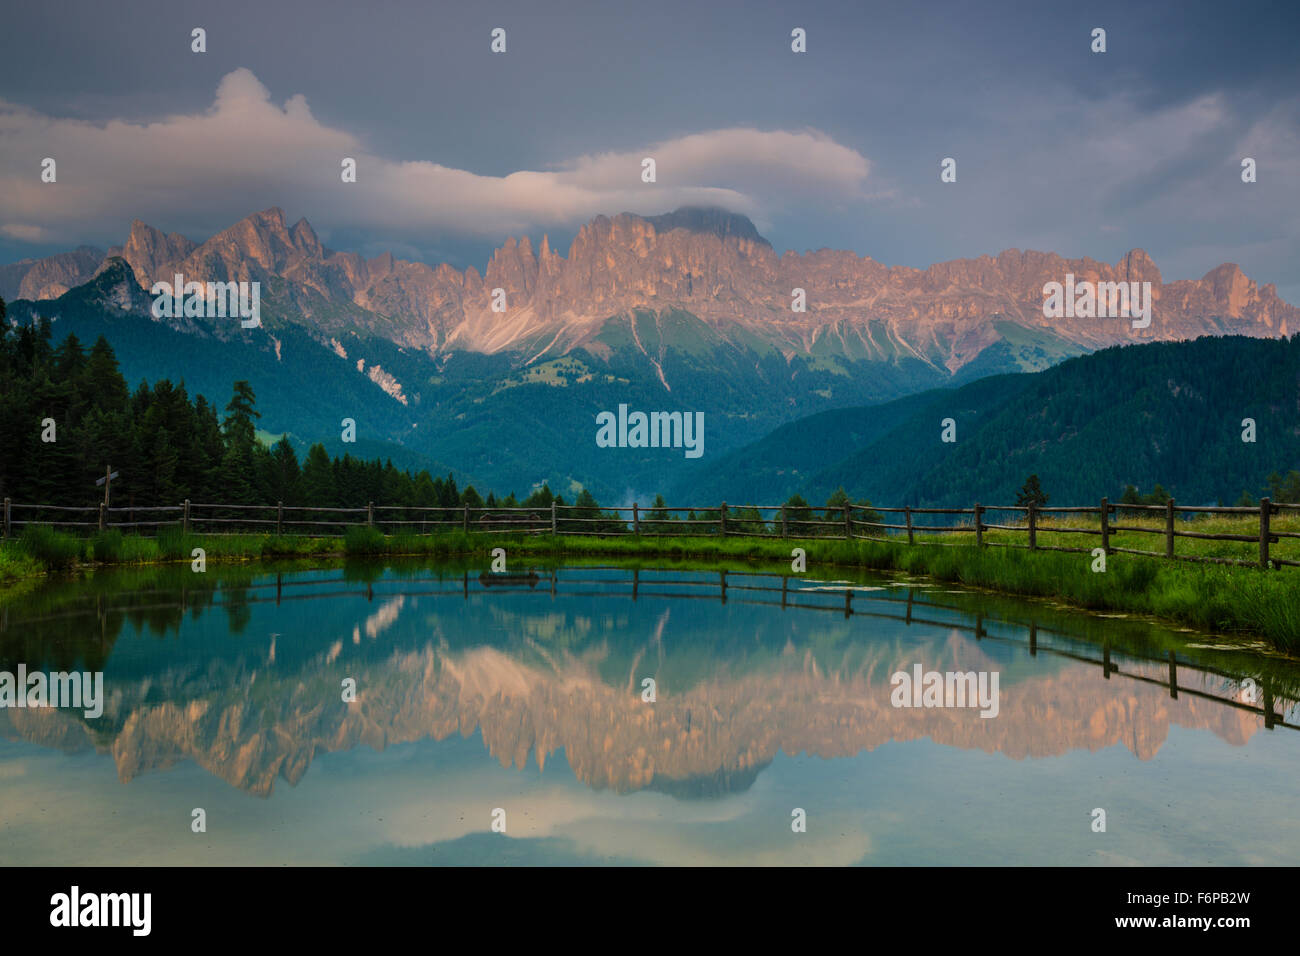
(1057, 148)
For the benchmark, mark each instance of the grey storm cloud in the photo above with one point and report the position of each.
(1057, 148)
(209, 163)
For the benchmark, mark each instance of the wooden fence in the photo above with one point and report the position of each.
(846, 522)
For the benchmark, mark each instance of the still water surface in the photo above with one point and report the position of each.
(525, 696)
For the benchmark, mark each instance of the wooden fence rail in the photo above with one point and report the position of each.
(845, 522)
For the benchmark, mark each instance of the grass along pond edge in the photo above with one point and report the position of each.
(1209, 597)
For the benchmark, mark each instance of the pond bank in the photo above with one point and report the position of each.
(1215, 598)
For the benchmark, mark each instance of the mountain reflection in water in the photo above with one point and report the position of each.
(242, 674)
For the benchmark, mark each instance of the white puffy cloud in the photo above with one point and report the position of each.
(244, 153)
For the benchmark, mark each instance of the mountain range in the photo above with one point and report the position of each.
(688, 311)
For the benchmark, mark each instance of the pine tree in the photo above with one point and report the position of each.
(238, 464)
(318, 489)
(283, 480)
(1284, 489)
(657, 516)
(240, 412)
(103, 378)
(1031, 493)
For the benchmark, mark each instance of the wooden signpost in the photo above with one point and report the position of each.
(106, 481)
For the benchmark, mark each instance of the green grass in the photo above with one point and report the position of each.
(1152, 538)
(16, 564)
(55, 550)
(1204, 596)
(1212, 597)
(107, 546)
(171, 543)
(365, 541)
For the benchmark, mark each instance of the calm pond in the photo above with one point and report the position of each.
(775, 734)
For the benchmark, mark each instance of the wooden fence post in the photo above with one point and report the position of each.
(907, 513)
(464, 521)
(370, 514)
(279, 517)
(1033, 526)
(848, 527)
(7, 519)
(1105, 525)
(102, 508)
(1169, 528)
(784, 529)
(185, 517)
(636, 518)
(979, 525)
(722, 519)
(555, 519)
(1265, 508)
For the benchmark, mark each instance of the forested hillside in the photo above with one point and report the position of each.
(66, 414)
(1163, 414)
(1167, 413)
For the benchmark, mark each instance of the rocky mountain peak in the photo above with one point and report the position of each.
(1136, 266)
(116, 286)
(152, 253)
(306, 240)
(50, 277)
(708, 262)
(708, 220)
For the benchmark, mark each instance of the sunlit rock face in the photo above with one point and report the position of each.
(706, 262)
